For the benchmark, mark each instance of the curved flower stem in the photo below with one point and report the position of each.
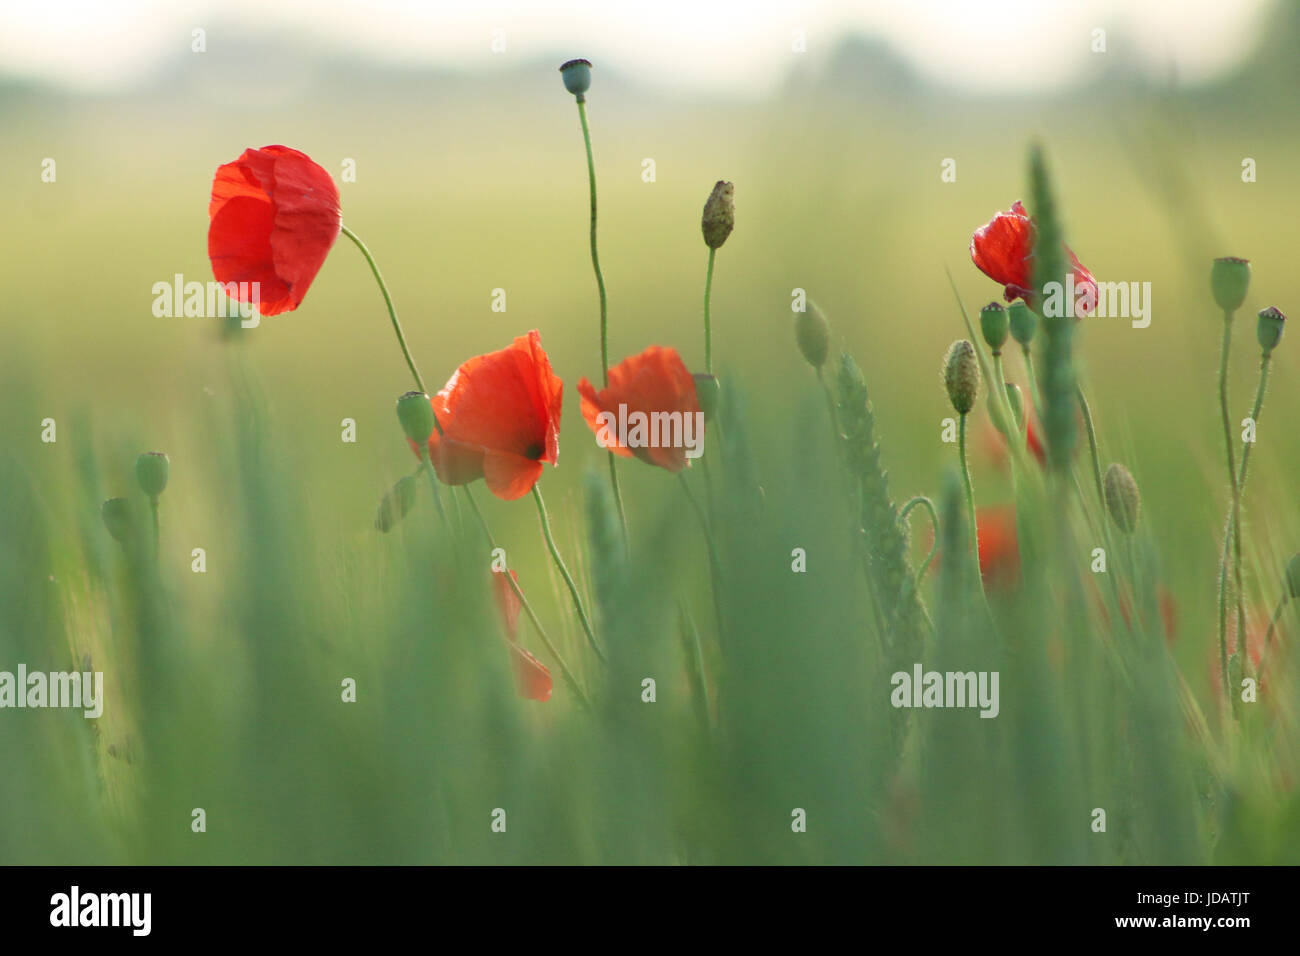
(1232, 481)
(934, 522)
(564, 572)
(970, 505)
(388, 301)
(604, 303)
(708, 327)
(528, 608)
(715, 566)
(1092, 443)
(1272, 625)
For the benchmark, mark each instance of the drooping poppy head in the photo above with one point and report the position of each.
(273, 218)
(649, 410)
(999, 550)
(531, 676)
(1004, 251)
(500, 419)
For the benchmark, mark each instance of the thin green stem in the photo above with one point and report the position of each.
(528, 608)
(1032, 380)
(708, 326)
(388, 301)
(1092, 442)
(157, 534)
(1272, 625)
(564, 572)
(1232, 481)
(715, 565)
(970, 504)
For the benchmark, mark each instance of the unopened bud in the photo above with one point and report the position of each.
(813, 335)
(1016, 399)
(151, 470)
(719, 214)
(1229, 280)
(961, 375)
(1122, 498)
(119, 518)
(707, 390)
(1269, 329)
(994, 325)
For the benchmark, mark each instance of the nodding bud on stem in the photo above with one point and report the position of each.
(1269, 329)
(415, 412)
(1122, 498)
(151, 471)
(396, 504)
(1293, 576)
(707, 390)
(961, 375)
(577, 77)
(813, 335)
(1023, 322)
(1229, 280)
(719, 214)
(1016, 399)
(994, 325)
(117, 515)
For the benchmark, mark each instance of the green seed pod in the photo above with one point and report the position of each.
(1023, 322)
(1229, 280)
(719, 214)
(396, 504)
(151, 470)
(813, 335)
(1016, 399)
(707, 390)
(119, 518)
(577, 77)
(1293, 576)
(1122, 498)
(994, 324)
(415, 412)
(1269, 329)
(961, 375)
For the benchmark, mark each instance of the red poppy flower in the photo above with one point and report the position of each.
(1004, 251)
(634, 414)
(273, 219)
(999, 550)
(500, 417)
(531, 675)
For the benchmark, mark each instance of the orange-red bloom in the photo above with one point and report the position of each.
(531, 675)
(1004, 251)
(500, 418)
(273, 219)
(999, 549)
(656, 381)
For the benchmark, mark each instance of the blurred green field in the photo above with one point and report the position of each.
(476, 189)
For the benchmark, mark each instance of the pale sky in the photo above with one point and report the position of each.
(732, 47)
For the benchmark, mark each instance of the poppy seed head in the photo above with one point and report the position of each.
(577, 77)
(1229, 280)
(151, 470)
(719, 214)
(1269, 328)
(415, 412)
(1023, 323)
(994, 325)
(961, 376)
(1123, 500)
(116, 513)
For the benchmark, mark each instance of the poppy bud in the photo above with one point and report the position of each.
(396, 504)
(719, 214)
(1293, 576)
(961, 375)
(1229, 280)
(1269, 329)
(415, 412)
(707, 390)
(1023, 322)
(1016, 399)
(577, 77)
(994, 325)
(117, 515)
(813, 335)
(1122, 498)
(151, 472)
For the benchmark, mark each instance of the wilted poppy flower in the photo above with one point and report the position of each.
(500, 419)
(273, 219)
(531, 675)
(649, 410)
(999, 550)
(1004, 251)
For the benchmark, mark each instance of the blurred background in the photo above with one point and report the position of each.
(834, 120)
